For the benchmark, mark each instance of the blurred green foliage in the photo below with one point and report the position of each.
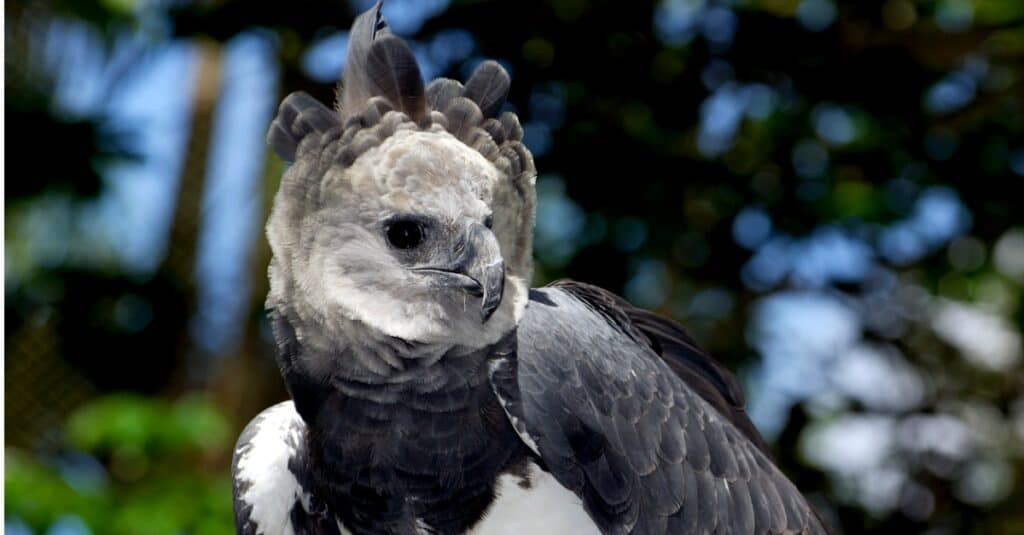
(148, 427)
(149, 465)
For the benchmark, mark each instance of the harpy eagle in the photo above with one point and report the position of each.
(432, 390)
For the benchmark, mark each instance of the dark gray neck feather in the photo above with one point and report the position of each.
(424, 440)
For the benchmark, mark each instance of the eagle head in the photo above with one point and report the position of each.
(407, 211)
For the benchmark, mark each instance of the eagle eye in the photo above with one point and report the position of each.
(404, 234)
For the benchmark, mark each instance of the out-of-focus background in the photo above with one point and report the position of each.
(828, 194)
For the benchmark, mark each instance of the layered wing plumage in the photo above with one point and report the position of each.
(651, 443)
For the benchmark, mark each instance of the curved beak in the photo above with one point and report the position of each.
(477, 268)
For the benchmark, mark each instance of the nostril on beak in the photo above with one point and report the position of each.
(475, 288)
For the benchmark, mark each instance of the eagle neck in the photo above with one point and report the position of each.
(420, 446)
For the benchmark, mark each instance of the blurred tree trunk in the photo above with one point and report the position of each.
(248, 381)
(180, 263)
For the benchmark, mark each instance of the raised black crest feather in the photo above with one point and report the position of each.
(298, 116)
(392, 69)
(380, 64)
(488, 87)
(353, 90)
(441, 91)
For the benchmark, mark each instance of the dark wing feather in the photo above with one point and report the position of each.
(617, 426)
(700, 371)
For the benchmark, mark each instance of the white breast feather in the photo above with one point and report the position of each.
(545, 508)
(274, 489)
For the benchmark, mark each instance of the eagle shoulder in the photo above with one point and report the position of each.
(621, 428)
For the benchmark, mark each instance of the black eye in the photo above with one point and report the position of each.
(404, 234)
(489, 221)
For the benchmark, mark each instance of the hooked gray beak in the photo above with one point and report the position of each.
(478, 269)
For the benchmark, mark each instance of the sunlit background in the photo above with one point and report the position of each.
(827, 194)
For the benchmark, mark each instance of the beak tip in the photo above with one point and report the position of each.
(491, 299)
(487, 309)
